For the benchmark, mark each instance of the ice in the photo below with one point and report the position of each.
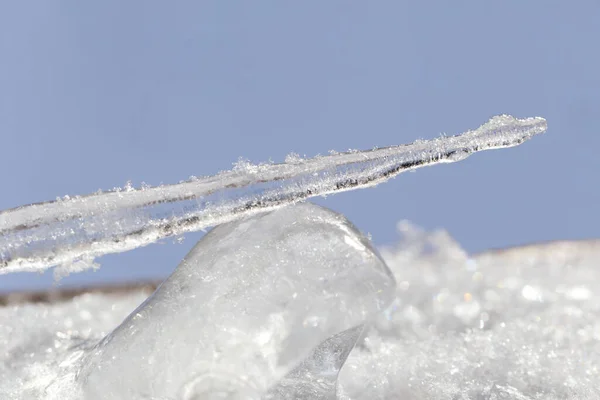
(316, 377)
(71, 229)
(283, 293)
(514, 324)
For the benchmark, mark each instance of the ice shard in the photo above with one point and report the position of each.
(316, 377)
(75, 230)
(281, 295)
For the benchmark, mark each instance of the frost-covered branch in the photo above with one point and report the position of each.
(79, 229)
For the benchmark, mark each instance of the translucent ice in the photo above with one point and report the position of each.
(75, 230)
(246, 307)
(316, 377)
(516, 324)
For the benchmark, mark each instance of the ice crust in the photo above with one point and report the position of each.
(73, 231)
(518, 324)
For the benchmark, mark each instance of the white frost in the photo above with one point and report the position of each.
(41, 235)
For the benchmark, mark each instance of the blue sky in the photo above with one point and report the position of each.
(93, 94)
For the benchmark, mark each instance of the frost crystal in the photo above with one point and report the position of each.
(47, 234)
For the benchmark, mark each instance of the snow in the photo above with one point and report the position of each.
(39, 342)
(517, 324)
(281, 295)
(81, 228)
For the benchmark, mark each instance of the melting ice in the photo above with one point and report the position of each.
(517, 324)
(266, 307)
(249, 303)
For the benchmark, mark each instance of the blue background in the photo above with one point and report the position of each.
(93, 94)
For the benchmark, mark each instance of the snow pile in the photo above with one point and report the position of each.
(41, 342)
(518, 324)
(269, 307)
(74, 230)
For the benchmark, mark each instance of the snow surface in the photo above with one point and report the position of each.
(516, 324)
(73, 231)
(519, 324)
(266, 307)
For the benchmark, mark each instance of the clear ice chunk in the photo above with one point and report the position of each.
(316, 377)
(280, 295)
